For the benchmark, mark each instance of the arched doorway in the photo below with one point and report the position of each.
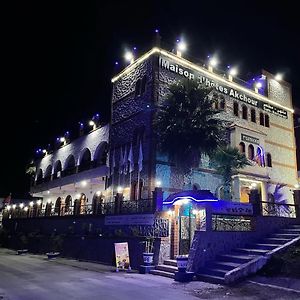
(57, 207)
(68, 205)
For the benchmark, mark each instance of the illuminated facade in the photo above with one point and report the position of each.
(261, 127)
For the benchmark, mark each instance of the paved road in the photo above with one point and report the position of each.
(33, 277)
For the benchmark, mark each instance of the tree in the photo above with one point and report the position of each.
(228, 161)
(186, 125)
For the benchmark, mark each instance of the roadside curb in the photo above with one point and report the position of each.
(275, 287)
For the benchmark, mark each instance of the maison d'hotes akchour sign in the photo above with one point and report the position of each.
(220, 87)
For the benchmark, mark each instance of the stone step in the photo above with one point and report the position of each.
(225, 265)
(170, 262)
(251, 251)
(210, 278)
(167, 268)
(285, 235)
(290, 230)
(214, 272)
(237, 258)
(265, 246)
(162, 273)
(276, 240)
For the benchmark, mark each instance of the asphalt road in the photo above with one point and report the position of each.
(34, 277)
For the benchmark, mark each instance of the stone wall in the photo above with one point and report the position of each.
(207, 245)
(85, 237)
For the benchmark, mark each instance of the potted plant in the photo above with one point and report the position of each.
(148, 253)
(24, 244)
(182, 261)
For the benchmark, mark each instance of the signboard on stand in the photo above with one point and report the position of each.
(122, 256)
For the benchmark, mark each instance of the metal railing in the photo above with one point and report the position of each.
(106, 208)
(278, 209)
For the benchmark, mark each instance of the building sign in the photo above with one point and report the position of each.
(232, 208)
(249, 139)
(142, 219)
(122, 255)
(220, 87)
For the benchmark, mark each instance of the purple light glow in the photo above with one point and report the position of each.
(156, 31)
(134, 48)
(116, 63)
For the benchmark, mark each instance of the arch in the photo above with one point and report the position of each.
(143, 84)
(57, 169)
(261, 119)
(251, 152)
(267, 120)
(138, 88)
(85, 160)
(253, 115)
(245, 112)
(269, 160)
(100, 156)
(48, 173)
(260, 156)
(242, 147)
(235, 108)
(196, 187)
(57, 205)
(39, 176)
(97, 203)
(70, 166)
(68, 204)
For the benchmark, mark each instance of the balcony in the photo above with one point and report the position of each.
(69, 176)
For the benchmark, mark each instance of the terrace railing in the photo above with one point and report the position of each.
(278, 209)
(105, 208)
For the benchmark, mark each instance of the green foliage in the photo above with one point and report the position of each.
(187, 125)
(228, 161)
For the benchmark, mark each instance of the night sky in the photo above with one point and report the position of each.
(59, 59)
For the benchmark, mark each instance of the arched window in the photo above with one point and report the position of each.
(222, 103)
(70, 166)
(57, 169)
(48, 173)
(253, 115)
(68, 204)
(138, 88)
(39, 177)
(261, 119)
(269, 160)
(236, 109)
(85, 161)
(97, 204)
(251, 152)
(57, 206)
(245, 112)
(242, 147)
(260, 157)
(100, 156)
(267, 120)
(143, 85)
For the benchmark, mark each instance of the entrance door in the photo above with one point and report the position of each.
(187, 226)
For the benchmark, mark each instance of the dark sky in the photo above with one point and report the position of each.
(59, 59)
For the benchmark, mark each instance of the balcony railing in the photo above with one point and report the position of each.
(106, 208)
(278, 209)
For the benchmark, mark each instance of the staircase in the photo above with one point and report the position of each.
(167, 269)
(241, 262)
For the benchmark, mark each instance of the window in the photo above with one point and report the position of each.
(260, 159)
(242, 147)
(262, 119)
(245, 112)
(251, 152)
(269, 160)
(253, 115)
(138, 88)
(222, 103)
(267, 121)
(143, 85)
(85, 162)
(236, 109)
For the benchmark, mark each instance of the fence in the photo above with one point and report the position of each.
(104, 208)
(278, 209)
